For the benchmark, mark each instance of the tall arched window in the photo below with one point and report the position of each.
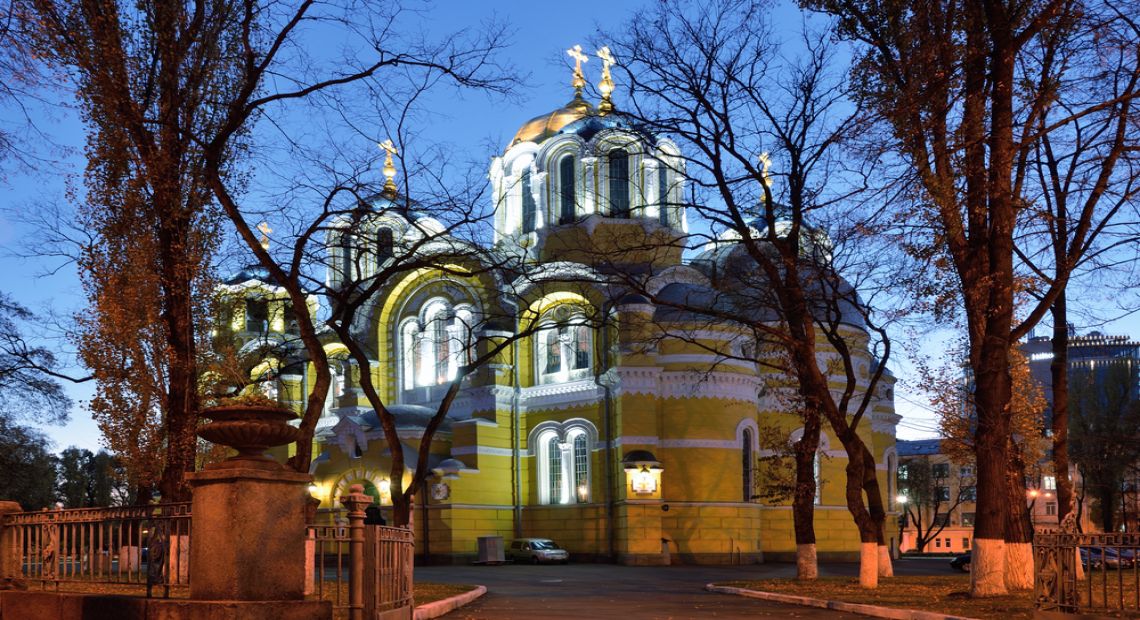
(746, 464)
(663, 193)
(436, 344)
(564, 347)
(554, 471)
(580, 448)
(566, 183)
(384, 242)
(564, 463)
(619, 182)
(528, 206)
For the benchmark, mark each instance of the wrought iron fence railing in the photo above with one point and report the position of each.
(362, 569)
(138, 545)
(1078, 573)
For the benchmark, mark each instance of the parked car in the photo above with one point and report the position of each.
(1107, 557)
(537, 551)
(961, 562)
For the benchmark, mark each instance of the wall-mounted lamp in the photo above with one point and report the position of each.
(643, 471)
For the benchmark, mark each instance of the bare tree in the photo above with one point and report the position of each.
(932, 493)
(787, 245)
(961, 90)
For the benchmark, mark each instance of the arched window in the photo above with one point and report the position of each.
(555, 477)
(564, 347)
(528, 206)
(384, 242)
(580, 448)
(434, 346)
(337, 372)
(746, 464)
(663, 193)
(564, 463)
(566, 183)
(619, 182)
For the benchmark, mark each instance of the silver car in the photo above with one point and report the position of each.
(537, 551)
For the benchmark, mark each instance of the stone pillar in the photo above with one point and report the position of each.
(248, 532)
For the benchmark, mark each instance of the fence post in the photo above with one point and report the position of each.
(9, 554)
(355, 501)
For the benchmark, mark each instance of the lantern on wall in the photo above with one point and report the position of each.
(643, 471)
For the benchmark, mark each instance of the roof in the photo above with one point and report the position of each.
(256, 273)
(919, 447)
(546, 125)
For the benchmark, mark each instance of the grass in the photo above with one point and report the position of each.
(946, 594)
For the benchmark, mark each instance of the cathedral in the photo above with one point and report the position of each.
(602, 428)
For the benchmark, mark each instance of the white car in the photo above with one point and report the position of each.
(537, 551)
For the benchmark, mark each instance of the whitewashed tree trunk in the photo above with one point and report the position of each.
(869, 565)
(1019, 566)
(886, 569)
(987, 567)
(807, 568)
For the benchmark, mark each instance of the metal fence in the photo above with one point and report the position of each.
(137, 545)
(364, 570)
(1078, 573)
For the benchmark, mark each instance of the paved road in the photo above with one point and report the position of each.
(632, 593)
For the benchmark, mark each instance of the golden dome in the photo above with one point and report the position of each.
(541, 127)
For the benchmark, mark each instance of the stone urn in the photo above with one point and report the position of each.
(249, 429)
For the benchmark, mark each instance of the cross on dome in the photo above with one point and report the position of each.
(389, 167)
(579, 81)
(265, 230)
(606, 86)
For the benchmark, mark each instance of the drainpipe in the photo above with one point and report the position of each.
(608, 430)
(516, 465)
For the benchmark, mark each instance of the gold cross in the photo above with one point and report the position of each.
(579, 81)
(766, 162)
(389, 168)
(265, 230)
(606, 56)
(606, 86)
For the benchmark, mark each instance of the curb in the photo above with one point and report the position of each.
(435, 609)
(855, 608)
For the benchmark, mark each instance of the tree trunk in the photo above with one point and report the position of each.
(803, 500)
(1019, 527)
(1059, 371)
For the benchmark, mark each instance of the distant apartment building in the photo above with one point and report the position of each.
(938, 494)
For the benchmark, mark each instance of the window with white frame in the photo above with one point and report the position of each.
(564, 465)
(563, 346)
(1049, 483)
(435, 344)
(815, 468)
(746, 464)
(337, 372)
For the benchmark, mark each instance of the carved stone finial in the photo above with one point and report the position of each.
(355, 500)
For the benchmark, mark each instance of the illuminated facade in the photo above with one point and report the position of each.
(615, 443)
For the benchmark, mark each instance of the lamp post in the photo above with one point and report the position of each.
(902, 500)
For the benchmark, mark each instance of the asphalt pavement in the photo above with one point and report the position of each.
(635, 593)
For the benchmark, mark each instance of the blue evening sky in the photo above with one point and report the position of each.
(541, 33)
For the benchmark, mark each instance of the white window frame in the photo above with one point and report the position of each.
(418, 347)
(562, 438)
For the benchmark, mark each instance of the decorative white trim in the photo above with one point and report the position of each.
(560, 395)
(720, 444)
(484, 398)
(722, 385)
(748, 423)
(885, 422)
(705, 358)
(481, 450)
(824, 441)
(647, 440)
(638, 379)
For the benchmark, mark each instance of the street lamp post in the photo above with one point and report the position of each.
(902, 500)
